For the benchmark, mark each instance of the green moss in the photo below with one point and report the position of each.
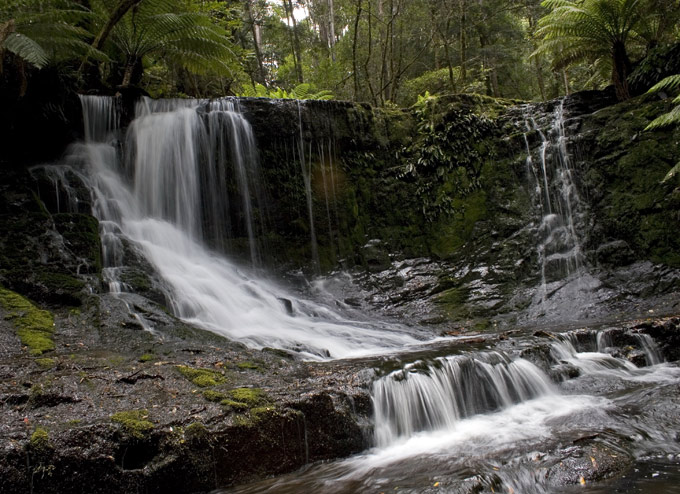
(248, 365)
(196, 432)
(214, 396)
(251, 396)
(81, 232)
(59, 281)
(203, 378)
(40, 440)
(134, 422)
(236, 405)
(35, 327)
(147, 357)
(46, 363)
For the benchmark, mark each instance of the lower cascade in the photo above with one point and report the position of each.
(437, 396)
(495, 421)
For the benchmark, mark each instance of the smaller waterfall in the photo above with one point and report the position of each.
(559, 245)
(436, 397)
(595, 352)
(306, 165)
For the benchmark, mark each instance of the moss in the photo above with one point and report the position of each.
(214, 396)
(147, 357)
(203, 378)
(251, 396)
(196, 432)
(248, 366)
(40, 440)
(81, 232)
(46, 363)
(35, 327)
(59, 281)
(134, 422)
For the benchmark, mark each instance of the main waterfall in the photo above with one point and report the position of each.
(163, 187)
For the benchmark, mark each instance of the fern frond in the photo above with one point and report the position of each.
(26, 48)
(672, 173)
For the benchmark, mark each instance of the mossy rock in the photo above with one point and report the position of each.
(40, 440)
(203, 378)
(135, 423)
(81, 233)
(35, 327)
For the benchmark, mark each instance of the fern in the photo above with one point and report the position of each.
(301, 92)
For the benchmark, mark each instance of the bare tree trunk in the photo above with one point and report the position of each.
(296, 43)
(331, 30)
(257, 41)
(463, 41)
(354, 50)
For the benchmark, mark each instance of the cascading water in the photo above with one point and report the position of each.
(493, 422)
(160, 189)
(559, 245)
(437, 397)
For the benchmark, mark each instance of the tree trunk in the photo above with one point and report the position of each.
(355, 65)
(463, 41)
(331, 30)
(621, 69)
(296, 42)
(257, 42)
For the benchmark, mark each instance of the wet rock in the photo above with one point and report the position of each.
(616, 253)
(587, 463)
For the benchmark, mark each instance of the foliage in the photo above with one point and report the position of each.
(445, 159)
(301, 91)
(41, 32)
(167, 28)
(670, 83)
(596, 31)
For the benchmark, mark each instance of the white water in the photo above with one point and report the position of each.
(163, 192)
(492, 422)
(438, 397)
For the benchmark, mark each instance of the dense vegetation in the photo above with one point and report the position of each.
(378, 51)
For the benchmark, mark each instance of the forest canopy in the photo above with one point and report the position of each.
(384, 52)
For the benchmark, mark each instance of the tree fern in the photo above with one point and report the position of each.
(593, 30)
(671, 83)
(40, 32)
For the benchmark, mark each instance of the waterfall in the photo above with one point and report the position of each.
(559, 245)
(176, 189)
(306, 165)
(453, 388)
(597, 354)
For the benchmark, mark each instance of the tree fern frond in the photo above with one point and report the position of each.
(670, 118)
(670, 83)
(672, 173)
(26, 48)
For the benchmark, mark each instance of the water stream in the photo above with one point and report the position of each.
(492, 421)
